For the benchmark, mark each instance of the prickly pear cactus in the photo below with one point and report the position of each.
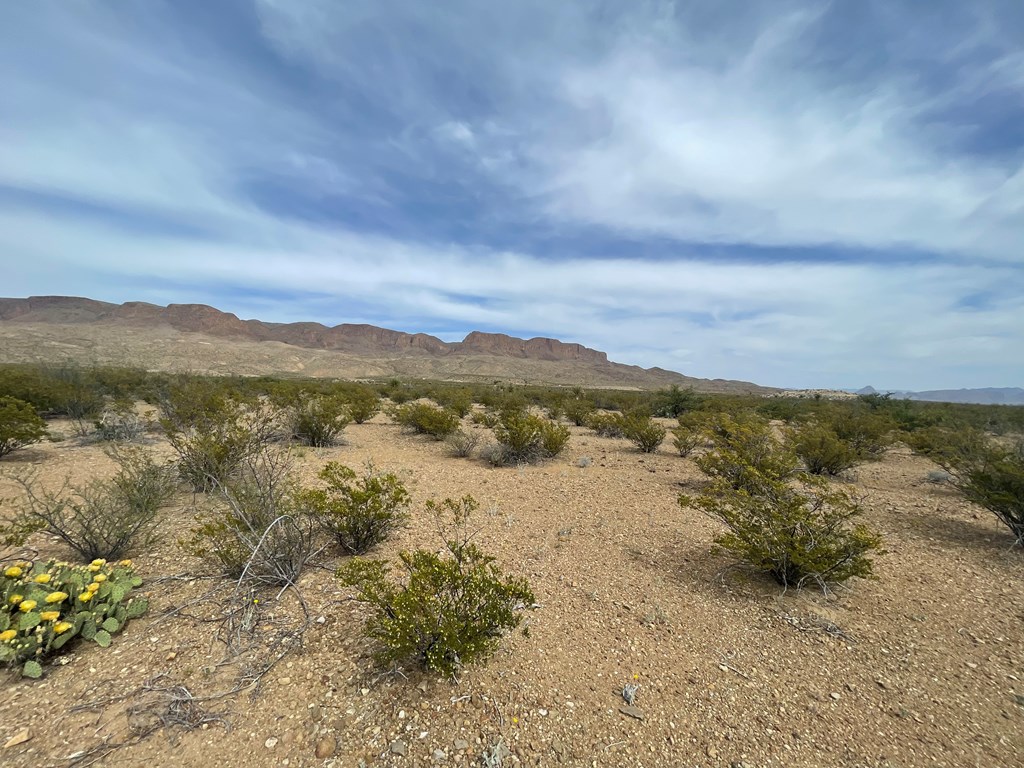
(46, 605)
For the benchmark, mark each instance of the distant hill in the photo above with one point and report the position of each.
(200, 338)
(981, 396)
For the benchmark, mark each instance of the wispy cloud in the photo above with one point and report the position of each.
(799, 194)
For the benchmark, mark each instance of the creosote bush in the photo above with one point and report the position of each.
(607, 424)
(691, 432)
(103, 519)
(797, 534)
(641, 430)
(821, 450)
(121, 423)
(526, 439)
(319, 420)
(215, 433)
(44, 606)
(363, 403)
(20, 425)
(358, 512)
(462, 443)
(989, 474)
(426, 419)
(447, 610)
(796, 530)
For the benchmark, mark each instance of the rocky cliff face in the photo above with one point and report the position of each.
(354, 338)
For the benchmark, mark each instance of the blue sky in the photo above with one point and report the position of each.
(793, 193)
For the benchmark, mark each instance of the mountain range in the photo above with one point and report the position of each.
(979, 396)
(203, 339)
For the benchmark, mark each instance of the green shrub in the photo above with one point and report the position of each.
(43, 606)
(214, 433)
(645, 433)
(458, 400)
(359, 513)
(868, 434)
(673, 402)
(487, 419)
(577, 410)
(797, 535)
(554, 437)
(987, 473)
(319, 420)
(745, 454)
(20, 425)
(363, 404)
(449, 611)
(426, 419)
(821, 450)
(256, 528)
(691, 432)
(526, 439)
(103, 519)
(607, 424)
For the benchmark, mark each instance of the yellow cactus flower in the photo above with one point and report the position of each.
(94, 568)
(9, 634)
(98, 562)
(62, 626)
(85, 597)
(99, 578)
(27, 605)
(13, 572)
(15, 599)
(49, 615)
(93, 587)
(126, 563)
(42, 578)
(56, 597)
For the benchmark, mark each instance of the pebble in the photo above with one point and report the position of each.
(631, 711)
(19, 738)
(460, 745)
(326, 747)
(271, 742)
(439, 755)
(835, 696)
(398, 747)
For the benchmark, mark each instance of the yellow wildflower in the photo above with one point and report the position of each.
(15, 599)
(56, 597)
(27, 605)
(126, 563)
(43, 578)
(85, 597)
(99, 578)
(62, 626)
(93, 587)
(13, 572)
(49, 615)
(9, 634)
(94, 568)
(98, 562)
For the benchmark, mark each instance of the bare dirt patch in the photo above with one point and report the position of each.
(921, 667)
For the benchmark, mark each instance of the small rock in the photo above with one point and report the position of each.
(834, 696)
(631, 711)
(19, 738)
(316, 713)
(364, 691)
(398, 748)
(460, 745)
(542, 712)
(712, 753)
(271, 742)
(439, 755)
(321, 619)
(326, 747)
(285, 681)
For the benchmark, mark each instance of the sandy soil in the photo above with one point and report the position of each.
(921, 667)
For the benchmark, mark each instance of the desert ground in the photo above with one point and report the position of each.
(922, 666)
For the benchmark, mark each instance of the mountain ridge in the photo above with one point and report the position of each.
(38, 328)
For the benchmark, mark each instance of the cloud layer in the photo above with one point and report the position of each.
(793, 193)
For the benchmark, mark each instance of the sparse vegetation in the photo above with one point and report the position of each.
(319, 420)
(104, 519)
(745, 453)
(20, 425)
(989, 474)
(641, 430)
(358, 512)
(690, 434)
(523, 438)
(462, 443)
(449, 610)
(426, 419)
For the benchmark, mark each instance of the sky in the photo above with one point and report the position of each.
(795, 193)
